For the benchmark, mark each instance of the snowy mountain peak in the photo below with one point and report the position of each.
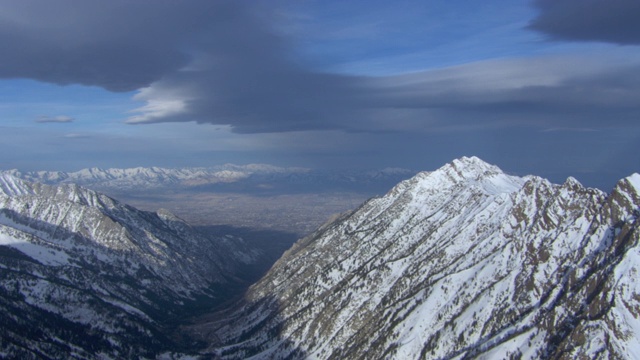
(469, 173)
(625, 197)
(572, 182)
(634, 181)
(473, 165)
(472, 169)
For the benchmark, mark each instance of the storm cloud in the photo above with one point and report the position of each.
(541, 91)
(225, 62)
(614, 21)
(118, 45)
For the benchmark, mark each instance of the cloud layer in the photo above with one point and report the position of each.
(542, 91)
(224, 62)
(119, 45)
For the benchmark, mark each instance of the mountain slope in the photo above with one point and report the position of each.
(82, 275)
(462, 262)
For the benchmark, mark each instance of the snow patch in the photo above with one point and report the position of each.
(634, 180)
(43, 254)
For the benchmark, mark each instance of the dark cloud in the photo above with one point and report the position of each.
(55, 119)
(547, 92)
(614, 21)
(267, 99)
(119, 45)
(223, 62)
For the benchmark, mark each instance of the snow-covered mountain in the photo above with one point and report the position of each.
(83, 275)
(462, 262)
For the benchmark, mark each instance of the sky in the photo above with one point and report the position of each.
(544, 87)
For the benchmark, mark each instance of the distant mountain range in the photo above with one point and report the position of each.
(462, 262)
(229, 177)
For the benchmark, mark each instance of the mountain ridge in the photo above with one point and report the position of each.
(83, 275)
(461, 262)
(194, 177)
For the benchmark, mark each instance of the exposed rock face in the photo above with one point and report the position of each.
(82, 275)
(462, 262)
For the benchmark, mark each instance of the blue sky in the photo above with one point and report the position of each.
(537, 87)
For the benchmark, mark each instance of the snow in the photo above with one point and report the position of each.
(42, 254)
(625, 313)
(634, 180)
(12, 186)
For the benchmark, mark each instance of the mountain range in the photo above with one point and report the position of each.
(83, 275)
(462, 262)
(458, 263)
(228, 177)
